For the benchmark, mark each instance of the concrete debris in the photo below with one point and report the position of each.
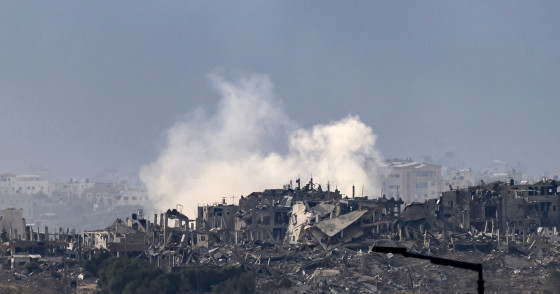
(309, 240)
(514, 262)
(336, 225)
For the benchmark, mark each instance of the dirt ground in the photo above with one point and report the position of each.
(45, 282)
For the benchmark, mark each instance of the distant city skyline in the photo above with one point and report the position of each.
(114, 175)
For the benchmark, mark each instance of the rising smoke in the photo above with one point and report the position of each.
(235, 151)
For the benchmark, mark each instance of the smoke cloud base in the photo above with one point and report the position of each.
(235, 151)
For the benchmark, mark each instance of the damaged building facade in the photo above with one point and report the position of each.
(137, 234)
(310, 215)
(506, 207)
(299, 215)
(316, 238)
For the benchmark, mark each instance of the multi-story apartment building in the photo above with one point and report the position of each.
(131, 196)
(116, 194)
(412, 181)
(73, 189)
(23, 184)
(459, 179)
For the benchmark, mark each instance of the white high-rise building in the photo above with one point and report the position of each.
(412, 181)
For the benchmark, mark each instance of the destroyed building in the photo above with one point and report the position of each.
(137, 234)
(503, 206)
(267, 221)
(22, 243)
(13, 224)
(264, 216)
(310, 238)
(120, 237)
(348, 219)
(310, 215)
(218, 219)
(299, 215)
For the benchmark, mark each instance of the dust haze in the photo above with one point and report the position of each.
(238, 149)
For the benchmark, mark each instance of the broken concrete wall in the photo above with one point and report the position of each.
(216, 217)
(300, 218)
(13, 223)
(331, 232)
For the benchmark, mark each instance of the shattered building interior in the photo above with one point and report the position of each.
(504, 206)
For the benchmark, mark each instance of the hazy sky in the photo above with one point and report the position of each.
(92, 86)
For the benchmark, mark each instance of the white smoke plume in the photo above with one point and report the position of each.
(236, 151)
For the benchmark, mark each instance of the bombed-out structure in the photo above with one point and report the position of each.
(506, 207)
(309, 234)
(309, 214)
(299, 214)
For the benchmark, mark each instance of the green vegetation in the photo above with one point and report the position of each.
(92, 266)
(228, 280)
(124, 275)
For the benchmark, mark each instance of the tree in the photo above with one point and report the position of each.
(124, 275)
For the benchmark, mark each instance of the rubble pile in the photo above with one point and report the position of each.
(512, 268)
(310, 240)
(47, 275)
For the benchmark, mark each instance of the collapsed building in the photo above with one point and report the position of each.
(21, 243)
(297, 215)
(503, 207)
(314, 238)
(507, 227)
(137, 234)
(311, 215)
(260, 216)
(323, 217)
(218, 219)
(13, 224)
(334, 223)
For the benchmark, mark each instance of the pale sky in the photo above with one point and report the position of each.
(92, 86)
